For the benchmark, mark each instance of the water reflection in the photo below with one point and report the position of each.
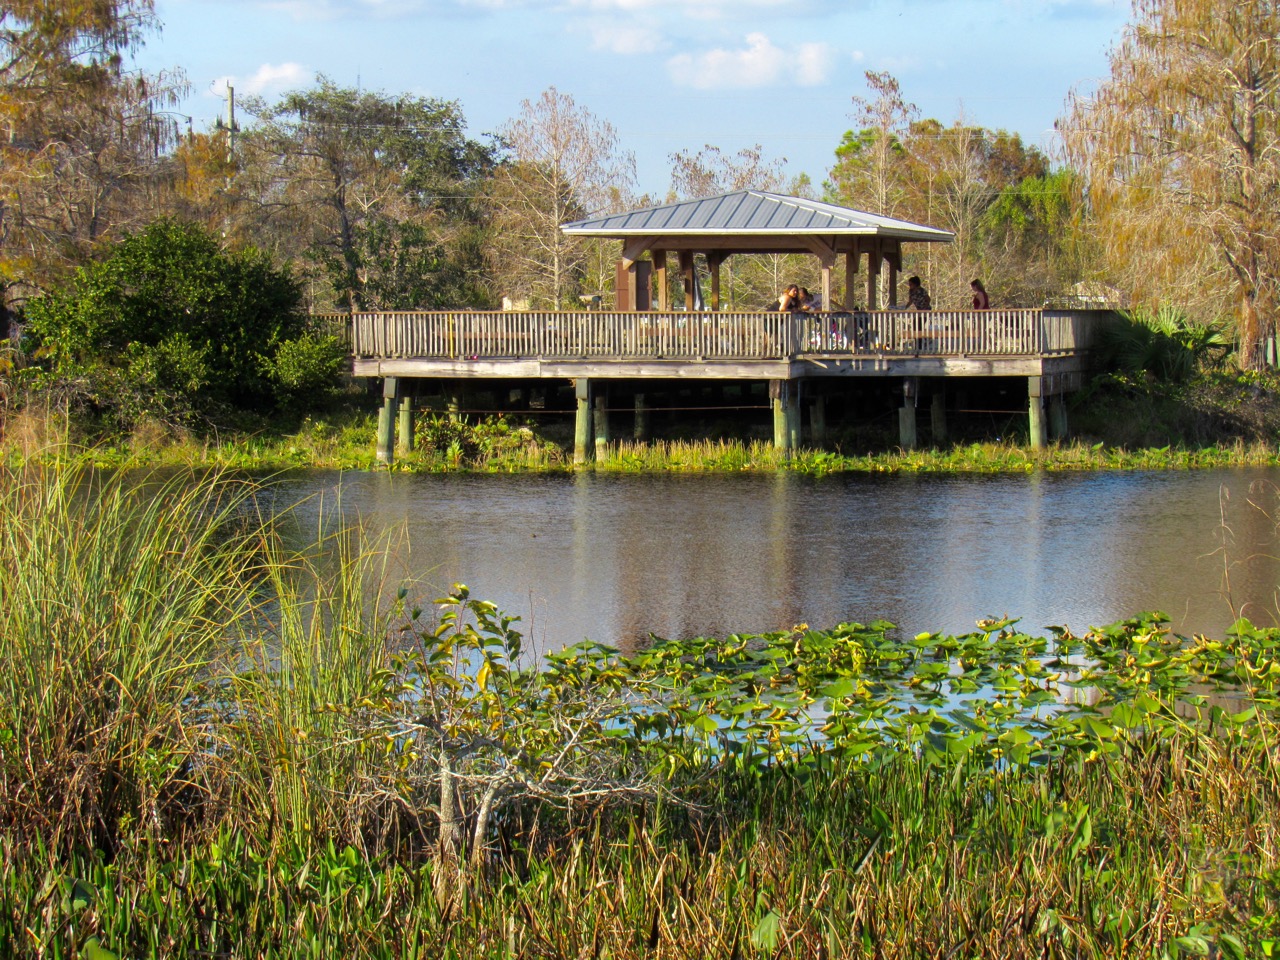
(615, 558)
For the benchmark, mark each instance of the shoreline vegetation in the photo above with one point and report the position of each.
(1122, 423)
(497, 445)
(212, 746)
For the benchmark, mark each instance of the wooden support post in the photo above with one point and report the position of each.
(601, 423)
(624, 285)
(874, 258)
(895, 266)
(406, 424)
(827, 264)
(779, 391)
(850, 285)
(641, 430)
(1058, 428)
(714, 261)
(386, 450)
(818, 421)
(453, 403)
(938, 417)
(1035, 412)
(583, 448)
(907, 437)
(690, 278)
(660, 272)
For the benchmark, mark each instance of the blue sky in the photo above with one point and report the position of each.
(670, 75)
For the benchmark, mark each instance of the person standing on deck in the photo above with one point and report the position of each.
(917, 295)
(980, 299)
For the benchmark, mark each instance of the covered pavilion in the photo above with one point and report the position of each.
(752, 221)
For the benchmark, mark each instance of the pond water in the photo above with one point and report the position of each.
(615, 558)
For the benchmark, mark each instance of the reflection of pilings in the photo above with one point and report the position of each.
(585, 569)
(785, 570)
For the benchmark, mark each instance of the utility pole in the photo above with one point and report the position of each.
(231, 123)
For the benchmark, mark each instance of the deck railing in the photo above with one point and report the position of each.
(466, 334)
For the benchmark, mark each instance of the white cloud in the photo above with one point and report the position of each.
(269, 78)
(760, 64)
(303, 10)
(624, 38)
(701, 9)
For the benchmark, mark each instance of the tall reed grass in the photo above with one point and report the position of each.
(115, 600)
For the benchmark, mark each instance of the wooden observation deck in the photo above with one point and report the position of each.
(710, 340)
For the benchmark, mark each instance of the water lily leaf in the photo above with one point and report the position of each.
(839, 689)
(1016, 736)
(81, 896)
(94, 950)
(1126, 716)
(705, 724)
(1195, 946)
(765, 934)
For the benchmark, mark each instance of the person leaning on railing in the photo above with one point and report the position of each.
(917, 295)
(790, 299)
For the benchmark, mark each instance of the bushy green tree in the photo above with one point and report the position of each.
(375, 195)
(171, 325)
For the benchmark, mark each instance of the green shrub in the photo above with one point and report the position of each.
(306, 365)
(172, 321)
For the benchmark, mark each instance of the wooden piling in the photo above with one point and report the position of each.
(641, 429)
(1035, 413)
(779, 398)
(601, 419)
(818, 421)
(406, 424)
(908, 436)
(387, 420)
(1058, 427)
(938, 418)
(583, 448)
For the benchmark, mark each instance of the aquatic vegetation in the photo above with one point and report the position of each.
(209, 745)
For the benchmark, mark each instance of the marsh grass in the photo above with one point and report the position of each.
(116, 599)
(506, 444)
